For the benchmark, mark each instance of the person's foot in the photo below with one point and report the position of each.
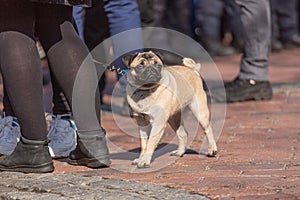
(9, 134)
(91, 151)
(242, 90)
(62, 136)
(78, 158)
(292, 42)
(29, 156)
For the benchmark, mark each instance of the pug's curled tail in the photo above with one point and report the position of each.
(188, 62)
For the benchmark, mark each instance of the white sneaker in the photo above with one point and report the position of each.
(62, 136)
(9, 134)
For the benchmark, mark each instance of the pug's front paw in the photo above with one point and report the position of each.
(142, 162)
(177, 152)
(135, 161)
(212, 150)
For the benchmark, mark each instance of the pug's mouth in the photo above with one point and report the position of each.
(149, 85)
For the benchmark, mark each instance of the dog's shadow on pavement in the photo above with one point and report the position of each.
(161, 150)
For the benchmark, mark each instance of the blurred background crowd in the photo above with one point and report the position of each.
(215, 24)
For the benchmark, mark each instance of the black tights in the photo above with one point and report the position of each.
(20, 63)
(21, 16)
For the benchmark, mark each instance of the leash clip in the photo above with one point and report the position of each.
(120, 71)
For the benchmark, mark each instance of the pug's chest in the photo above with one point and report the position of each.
(142, 101)
(141, 105)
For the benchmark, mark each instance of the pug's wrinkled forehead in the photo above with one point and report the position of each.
(144, 58)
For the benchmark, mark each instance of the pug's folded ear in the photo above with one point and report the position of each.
(127, 60)
(159, 55)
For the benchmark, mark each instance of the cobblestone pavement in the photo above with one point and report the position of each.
(259, 154)
(70, 186)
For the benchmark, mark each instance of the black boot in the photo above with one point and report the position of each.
(29, 156)
(242, 90)
(91, 151)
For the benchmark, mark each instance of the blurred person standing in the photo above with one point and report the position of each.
(108, 19)
(124, 15)
(147, 14)
(171, 15)
(252, 82)
(285, 24)
(92, 24)
(175, 15)
(209, 20)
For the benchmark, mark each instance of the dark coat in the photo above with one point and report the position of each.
(85, 3)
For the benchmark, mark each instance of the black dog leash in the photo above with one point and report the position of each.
(120, 71)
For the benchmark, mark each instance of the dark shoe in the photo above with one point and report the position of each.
(91, 151)
(291, 43)
(29, 156)
(216, 48)
(242, 90)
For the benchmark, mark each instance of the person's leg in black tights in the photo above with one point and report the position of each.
(68, 57)
(7, 108)
(56, 15)
(64, 70)
(22, 76)
(21, 67)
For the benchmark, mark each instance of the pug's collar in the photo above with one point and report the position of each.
(149, 87)
(145, 90)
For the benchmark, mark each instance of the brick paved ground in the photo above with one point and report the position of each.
(259, 154)
(259, 151)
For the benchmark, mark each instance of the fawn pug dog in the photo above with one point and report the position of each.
(156, 96)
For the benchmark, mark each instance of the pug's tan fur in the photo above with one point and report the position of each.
(158, 103)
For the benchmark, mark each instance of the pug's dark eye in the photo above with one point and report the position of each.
(158, 66)
(155, 62)
(143, 63)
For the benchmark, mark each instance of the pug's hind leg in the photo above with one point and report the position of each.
(212, 147)
(182, 141)
(200, 109)
(177, 125)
